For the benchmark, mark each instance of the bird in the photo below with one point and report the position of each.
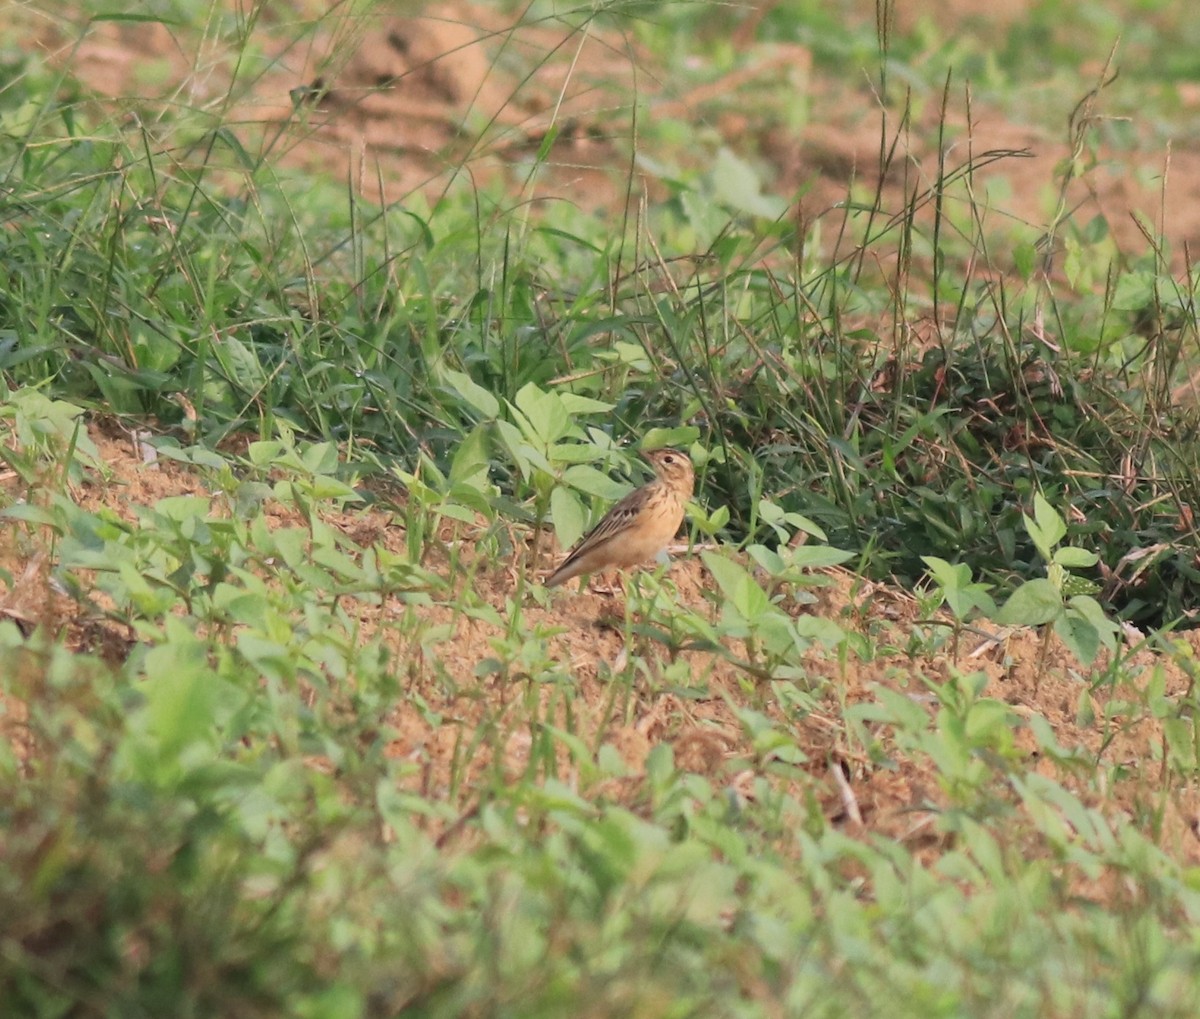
(638, 527)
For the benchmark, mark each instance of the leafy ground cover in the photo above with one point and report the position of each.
(321, 331)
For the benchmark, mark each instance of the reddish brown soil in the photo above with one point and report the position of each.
(400, 105)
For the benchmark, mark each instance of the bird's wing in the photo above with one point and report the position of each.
(613, 522)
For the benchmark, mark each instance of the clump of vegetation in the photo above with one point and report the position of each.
(305, 737)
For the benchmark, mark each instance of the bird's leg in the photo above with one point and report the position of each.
(609, 590)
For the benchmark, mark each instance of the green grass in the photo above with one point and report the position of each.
(244, 770)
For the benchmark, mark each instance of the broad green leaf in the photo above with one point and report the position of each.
(472, 393)
(780, 638)
(1079, 635)
(816, 557)
(574, 453)
(320, 458)
(594, 482)
(151, 600)
(712, 523)
(181, 693)
(528, 458)
(891, 707)
(544, 412)
(971, 598)
(676, 438)
(946, 574)
(1076, 558)
(1024, 258)
(986, 717)
(1135, 290)
(567, 515)
(1045, 527)
(1032, 604)
(265, 453)
(770, 560)
(577, 404)
(738, 586)
(824, 631)
(1088, 608)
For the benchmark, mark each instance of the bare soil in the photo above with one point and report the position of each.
(399, 105)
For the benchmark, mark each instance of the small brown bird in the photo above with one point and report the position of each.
(639, 526)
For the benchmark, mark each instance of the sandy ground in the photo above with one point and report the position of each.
(399, 105)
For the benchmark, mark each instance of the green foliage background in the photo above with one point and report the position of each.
(166, 846)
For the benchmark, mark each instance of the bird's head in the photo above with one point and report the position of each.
(674, 468)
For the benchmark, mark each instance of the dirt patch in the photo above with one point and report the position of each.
(403, 105)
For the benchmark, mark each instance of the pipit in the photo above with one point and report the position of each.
(639, 526)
